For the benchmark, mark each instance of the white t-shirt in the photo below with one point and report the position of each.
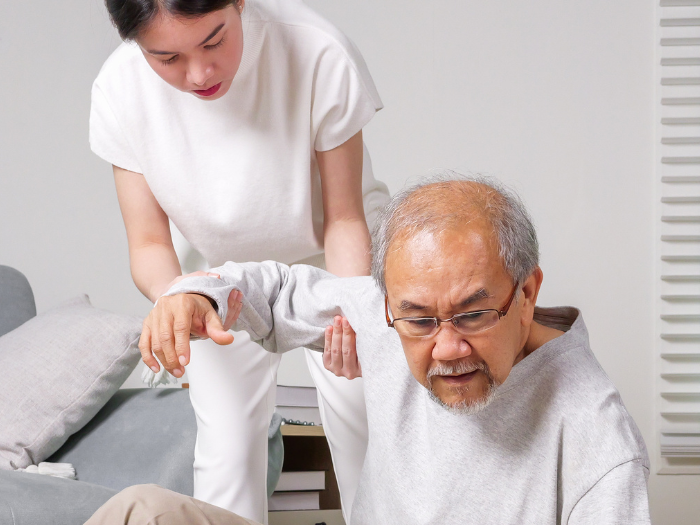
(238, 175)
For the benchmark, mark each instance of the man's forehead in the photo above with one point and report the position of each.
(465, 246)
(460, 264)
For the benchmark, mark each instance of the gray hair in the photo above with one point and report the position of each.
(411, 211)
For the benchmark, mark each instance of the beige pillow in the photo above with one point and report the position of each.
(57, 371)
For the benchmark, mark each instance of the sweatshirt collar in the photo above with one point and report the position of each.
(565, 318)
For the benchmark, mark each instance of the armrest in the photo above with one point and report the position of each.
(28, 499)
(16, 299)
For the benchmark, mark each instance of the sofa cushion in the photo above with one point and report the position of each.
(16, 299)
(32, 499)
(140, 436)
(59, 369)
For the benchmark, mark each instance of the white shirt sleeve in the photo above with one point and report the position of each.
(107, 138)
(344, 98)
(619, 497)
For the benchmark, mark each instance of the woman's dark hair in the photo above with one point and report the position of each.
(130, 17)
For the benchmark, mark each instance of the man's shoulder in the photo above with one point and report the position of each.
(580, 387)
(591, 407)
(597, 433)
(565, 383)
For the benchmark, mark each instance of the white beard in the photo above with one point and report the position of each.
(464, 407)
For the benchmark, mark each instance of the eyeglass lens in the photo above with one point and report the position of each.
(466, 324)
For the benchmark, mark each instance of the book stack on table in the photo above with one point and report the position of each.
(298, 404)
(298, 491)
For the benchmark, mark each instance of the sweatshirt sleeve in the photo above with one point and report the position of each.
(619, 497)
(283, 307)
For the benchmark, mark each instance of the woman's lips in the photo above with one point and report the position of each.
(208, 92)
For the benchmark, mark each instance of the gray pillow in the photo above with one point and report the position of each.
(58, 370)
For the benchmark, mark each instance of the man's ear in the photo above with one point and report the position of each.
(529, 292)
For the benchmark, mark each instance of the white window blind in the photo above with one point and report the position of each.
(678, 236)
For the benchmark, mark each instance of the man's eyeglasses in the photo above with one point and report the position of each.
(467, 323)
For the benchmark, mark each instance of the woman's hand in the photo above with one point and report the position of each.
(339, 351)
(167, 329)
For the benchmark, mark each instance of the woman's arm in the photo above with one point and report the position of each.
(152, 257)
(346, 241)
(345, 233)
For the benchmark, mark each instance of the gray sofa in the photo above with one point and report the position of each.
(139, 436)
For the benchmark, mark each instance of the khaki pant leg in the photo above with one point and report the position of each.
(154, 505)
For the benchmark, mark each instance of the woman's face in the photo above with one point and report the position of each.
(196, 55)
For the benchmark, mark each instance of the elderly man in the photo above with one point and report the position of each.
(496, 411)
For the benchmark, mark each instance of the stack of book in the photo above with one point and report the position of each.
(298, 405)
(298, 491)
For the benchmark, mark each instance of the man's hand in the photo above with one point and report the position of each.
(339, 352)
(167, 329)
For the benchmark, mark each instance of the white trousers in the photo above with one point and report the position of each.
(232, 389)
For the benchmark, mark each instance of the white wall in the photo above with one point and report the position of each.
(59, 217)
(555, 98)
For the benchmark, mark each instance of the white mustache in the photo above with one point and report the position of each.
(462, 367)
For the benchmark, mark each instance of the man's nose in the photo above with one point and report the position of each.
(199, 72)
(450, 344)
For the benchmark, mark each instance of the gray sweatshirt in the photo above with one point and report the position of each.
(556, 446)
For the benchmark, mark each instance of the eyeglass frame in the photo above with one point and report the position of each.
(501, 313)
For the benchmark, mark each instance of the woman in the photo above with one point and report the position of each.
(241, 122)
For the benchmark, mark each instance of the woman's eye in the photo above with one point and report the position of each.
(169, 61)
(214, 46)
